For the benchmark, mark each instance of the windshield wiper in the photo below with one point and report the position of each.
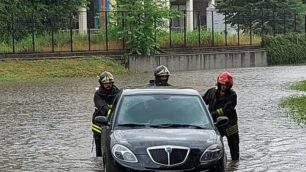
(178, 126)
(132, 125)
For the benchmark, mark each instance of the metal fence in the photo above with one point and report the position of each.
(238, 29)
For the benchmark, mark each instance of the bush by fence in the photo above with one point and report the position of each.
(285, 49)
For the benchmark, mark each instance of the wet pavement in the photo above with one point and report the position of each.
(45, 126)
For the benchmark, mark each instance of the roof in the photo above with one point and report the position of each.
(159, 90)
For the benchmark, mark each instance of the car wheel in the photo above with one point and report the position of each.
(110, 166)
(221, 165)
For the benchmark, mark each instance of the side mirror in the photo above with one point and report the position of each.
(102, 120)
(221, 121)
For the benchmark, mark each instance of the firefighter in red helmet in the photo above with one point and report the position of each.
(221, 101)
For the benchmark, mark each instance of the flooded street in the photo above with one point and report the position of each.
(46, 126)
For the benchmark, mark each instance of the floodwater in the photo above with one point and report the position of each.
(45, 126)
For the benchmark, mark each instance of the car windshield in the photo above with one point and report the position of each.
(162, 111)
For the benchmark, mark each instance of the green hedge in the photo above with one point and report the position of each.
(285, 49)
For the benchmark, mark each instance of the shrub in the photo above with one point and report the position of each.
(285, 49)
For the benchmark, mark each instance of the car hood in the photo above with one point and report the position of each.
(140, 139)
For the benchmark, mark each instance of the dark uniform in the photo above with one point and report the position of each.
(154, 83)
(161, 74)
(103, 99)
(224, 105)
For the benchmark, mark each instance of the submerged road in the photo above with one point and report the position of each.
(45, 126)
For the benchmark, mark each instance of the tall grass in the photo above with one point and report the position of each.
(19, 70)
(297, 104)
(62, 40)
(285, 49)
(301, 86)
(204, 38)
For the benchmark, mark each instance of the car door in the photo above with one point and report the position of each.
(106, 131)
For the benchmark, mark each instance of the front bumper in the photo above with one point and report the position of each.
(146, 164)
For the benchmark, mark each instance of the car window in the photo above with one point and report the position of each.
(114, 105)
(162, 109)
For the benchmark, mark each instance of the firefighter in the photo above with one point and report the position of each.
(161, 74)
(221, 101)
(103, 99)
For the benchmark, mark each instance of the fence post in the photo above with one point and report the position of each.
(284, 22)
(155, 33)
(199, 29)
(13, 32)
(274, 23)
(185, 30)
(106, 30)
(225, 30)
(262, 21)
(33, 30)
(305, 24)
(123, 26)
(89, 39)
(238, 28)
(295, 29)
(170, 32)
(251, 32)
(52, 39)
(52, 36)
(71, 40)
(213, 29)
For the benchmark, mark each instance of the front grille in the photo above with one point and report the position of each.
(168, 155)
(159, 155)
(178, 155)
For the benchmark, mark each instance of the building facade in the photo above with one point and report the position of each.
(195, 12)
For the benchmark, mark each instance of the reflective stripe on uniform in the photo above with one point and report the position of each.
(98, 131)
(96, 128)
(109, 109)
(220, 112)
(232, 130)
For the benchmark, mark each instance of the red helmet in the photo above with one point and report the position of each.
(225, 78)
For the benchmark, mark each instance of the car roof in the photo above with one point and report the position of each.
(159, 90)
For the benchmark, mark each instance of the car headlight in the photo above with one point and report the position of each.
(213, 152)
(123, 153)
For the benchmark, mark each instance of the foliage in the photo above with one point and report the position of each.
(297, 104)
(141, 19)
(20, 17)
(285, 49)
(271, 14)
(301, 86)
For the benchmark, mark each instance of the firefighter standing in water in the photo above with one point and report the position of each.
(161, 74)
(103, 99)
(222, 101)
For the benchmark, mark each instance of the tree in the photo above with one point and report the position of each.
(27, 16)
(269, 14)
(141, 21)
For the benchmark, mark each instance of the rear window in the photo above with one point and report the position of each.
(162, 109)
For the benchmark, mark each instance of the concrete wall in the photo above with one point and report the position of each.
(200, 61)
